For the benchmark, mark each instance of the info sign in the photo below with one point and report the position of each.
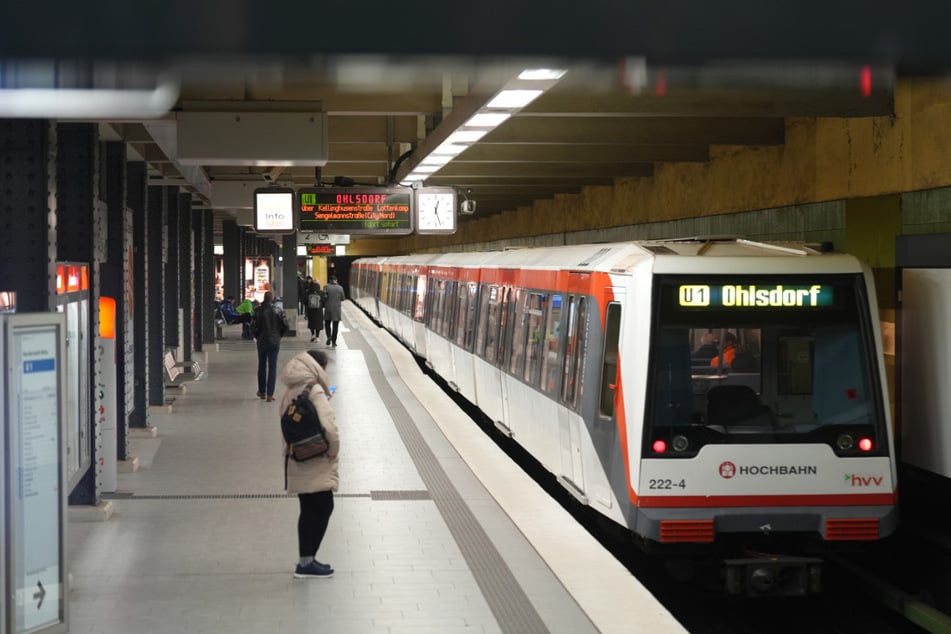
(274, 210)
(34, 481)
(366, 210)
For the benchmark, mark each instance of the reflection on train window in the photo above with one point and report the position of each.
(574, 352)
(551, 369)
(776, 371)
(470, 315)
(533, 356)
(519, 330)
(489, 327)
(418, 303)
(609, 377)
(505, 320)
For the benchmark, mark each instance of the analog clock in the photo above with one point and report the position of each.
(436, 211)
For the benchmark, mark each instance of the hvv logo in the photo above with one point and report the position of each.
(863, 481)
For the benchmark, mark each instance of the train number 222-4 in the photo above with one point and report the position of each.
(667, 483)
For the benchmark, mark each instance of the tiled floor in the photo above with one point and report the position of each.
(203, 540)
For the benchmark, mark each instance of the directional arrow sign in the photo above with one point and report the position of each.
(41, 594)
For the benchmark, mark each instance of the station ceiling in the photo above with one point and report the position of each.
(629, 101)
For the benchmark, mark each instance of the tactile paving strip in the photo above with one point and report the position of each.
(505, 597)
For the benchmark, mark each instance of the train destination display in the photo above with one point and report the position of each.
(754, 296)
(356, 210)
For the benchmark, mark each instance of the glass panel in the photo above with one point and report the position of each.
(535, 345)
(764, 355)
(551, 369)
(612, 330)
(516, 363)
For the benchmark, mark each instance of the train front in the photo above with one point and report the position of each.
(767, 435)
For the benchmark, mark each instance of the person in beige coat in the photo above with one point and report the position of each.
(314, 480)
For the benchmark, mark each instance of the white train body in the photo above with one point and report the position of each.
(588, 357)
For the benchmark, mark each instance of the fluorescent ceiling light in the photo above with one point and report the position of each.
(426, 169)
(487, 119)
(466, 136)
(72, 103)
(449, 148)
(541, 74)
(513, 98)
(437, 159)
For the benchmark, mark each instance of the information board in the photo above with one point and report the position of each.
(366, 210)
(34, 478)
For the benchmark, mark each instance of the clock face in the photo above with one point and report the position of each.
(436, 212)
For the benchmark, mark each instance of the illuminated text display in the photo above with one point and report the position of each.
(356, 210)
(754, 296)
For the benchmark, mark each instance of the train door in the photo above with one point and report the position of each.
(569, 420)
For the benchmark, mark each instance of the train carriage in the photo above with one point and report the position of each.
(723, 397)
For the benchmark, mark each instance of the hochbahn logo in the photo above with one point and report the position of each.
(728, 470)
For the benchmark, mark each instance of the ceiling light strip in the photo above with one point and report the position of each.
(517, 93)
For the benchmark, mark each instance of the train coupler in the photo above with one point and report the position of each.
(773, 576)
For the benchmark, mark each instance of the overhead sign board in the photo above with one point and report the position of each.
(274, 210)
(310, 237)
(365, 210)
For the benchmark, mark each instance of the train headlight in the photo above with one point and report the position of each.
(680, 443)
(845, 442)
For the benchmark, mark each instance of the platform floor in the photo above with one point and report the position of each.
(434, 529)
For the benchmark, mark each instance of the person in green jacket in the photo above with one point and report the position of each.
(245, 310)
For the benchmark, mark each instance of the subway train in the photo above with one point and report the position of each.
(722, 400)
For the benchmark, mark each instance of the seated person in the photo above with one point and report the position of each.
(728, 352)
(228, 311)
(707, 349)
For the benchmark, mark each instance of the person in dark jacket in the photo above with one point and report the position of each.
(314, 480)
(268, 326)
(314, 300)
(333, 298)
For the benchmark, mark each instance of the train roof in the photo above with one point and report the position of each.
(674, 255)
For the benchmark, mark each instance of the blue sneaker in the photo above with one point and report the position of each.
(313, 570)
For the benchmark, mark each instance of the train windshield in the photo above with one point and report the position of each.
(764, 359)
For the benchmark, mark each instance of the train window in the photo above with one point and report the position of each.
(612, 331)
(757, 358)
(449, 317)
(506, 312)
(419, 305)
(551, 369)
(435, 300)
(462, 315)
(470, 315)
(574, 351)
(487, 344)
(517, 360)
(535, 346)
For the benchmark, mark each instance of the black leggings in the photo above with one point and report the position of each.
(315, 511)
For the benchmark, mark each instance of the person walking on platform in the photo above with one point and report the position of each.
(315, 480)
(314, 300)
(302, 293)
(268, 326)
(333, 298)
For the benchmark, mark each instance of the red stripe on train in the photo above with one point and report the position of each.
(712, 501)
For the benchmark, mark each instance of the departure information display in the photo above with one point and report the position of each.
(367, 210)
